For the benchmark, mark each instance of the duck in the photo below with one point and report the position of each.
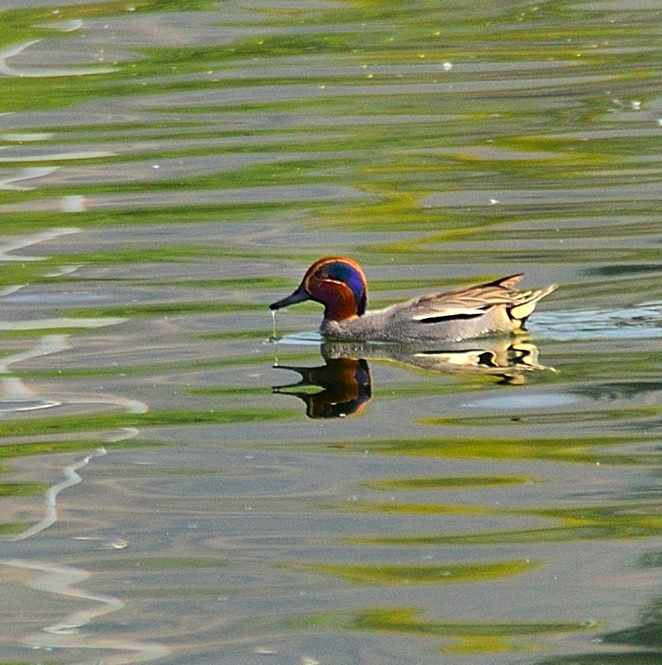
(340, 284)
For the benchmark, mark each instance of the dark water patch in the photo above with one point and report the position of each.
(624, 270)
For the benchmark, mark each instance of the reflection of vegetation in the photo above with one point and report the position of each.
(17, 490)
(22, 489)
(547, 417)
(8, 451)
(19, 272)
(419, 574)
(75, 328)
(579, 449)
(150, 419)
(470, 637)
(625, 521)
(163, 309)
(136, 370)
(447, 482)
(404, 620)
(9, 529)
(407, 166)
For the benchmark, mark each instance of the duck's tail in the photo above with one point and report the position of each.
(526, 303)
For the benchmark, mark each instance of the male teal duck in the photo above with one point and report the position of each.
(339, 284)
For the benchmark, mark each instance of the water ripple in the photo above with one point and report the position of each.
(639, 322)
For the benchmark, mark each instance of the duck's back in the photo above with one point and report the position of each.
(493, 307)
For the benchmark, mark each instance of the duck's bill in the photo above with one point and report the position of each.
(298, 296)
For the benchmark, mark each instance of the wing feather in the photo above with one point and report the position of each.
(474, 301)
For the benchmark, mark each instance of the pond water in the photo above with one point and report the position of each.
(179, 487)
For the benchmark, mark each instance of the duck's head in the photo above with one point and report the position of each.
(336, 282)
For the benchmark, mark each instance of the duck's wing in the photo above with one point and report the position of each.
(475, 301)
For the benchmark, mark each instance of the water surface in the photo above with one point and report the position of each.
(176, 486)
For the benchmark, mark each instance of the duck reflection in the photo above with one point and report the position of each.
(343, 385)
(340, 388)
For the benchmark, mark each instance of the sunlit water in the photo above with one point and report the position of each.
(189, 481)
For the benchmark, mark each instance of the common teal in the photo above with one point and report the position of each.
(340, 285)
